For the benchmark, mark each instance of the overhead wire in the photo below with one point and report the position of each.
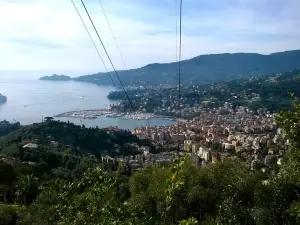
(176, 48)
(114, 37)
(94, 43)
(176, 69)
(124, 90)
(179, 72)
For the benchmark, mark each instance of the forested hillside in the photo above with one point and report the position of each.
(204, 69)
(61, 149)
(198, 70)
(90, 140)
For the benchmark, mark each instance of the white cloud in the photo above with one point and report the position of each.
(48, 35)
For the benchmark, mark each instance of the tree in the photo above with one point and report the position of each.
(71, 164)
(44, 210)
(9, 214)
(78, 202)
(289, 121)
(49, 118)
(21, 152)
(7, 174)
(280, 194)
(7, 178)
(26, 189)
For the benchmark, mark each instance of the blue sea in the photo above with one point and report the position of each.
(31, 100)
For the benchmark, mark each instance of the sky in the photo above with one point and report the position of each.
(41, 37)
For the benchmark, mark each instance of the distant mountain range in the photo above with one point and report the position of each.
(200, 69)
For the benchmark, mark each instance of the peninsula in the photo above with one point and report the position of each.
(56, 77)
(3, 99)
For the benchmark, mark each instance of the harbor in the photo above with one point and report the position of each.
(95, 113)
(85, 114)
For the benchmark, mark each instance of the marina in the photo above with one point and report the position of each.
(85, 114)
(95, 113)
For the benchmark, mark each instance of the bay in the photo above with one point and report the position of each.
(31, 100)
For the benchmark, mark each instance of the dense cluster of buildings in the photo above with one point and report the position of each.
(225, 132)
(164, 101)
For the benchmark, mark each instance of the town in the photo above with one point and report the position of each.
(214, 122)
(216, 134)
(271, 92)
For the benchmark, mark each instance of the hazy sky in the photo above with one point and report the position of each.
(47, 35)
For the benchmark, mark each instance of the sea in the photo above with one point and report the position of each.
(29, 101)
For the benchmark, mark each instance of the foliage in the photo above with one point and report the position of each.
(182, 193)
(289, 120)
(295, 210)
(7, 174)
(9, 214)
(189, 221)
(89, 200)
(27, 188)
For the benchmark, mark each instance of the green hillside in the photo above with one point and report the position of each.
(204, 69)
(78, 138)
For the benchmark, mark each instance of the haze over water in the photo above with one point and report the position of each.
(30, 100)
